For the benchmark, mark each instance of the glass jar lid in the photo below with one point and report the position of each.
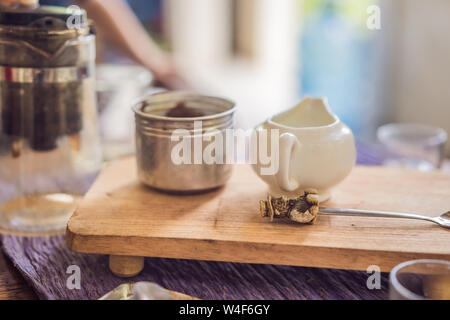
(47, 17)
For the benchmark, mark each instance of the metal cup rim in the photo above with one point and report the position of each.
(137, 105)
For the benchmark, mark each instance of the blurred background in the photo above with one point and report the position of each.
(267, 54)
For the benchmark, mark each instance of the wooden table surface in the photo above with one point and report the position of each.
(121, 217)
(14, 287)
(12, 284)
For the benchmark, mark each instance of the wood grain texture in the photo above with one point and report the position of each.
(203, 279)
(12, 286)
(120, 216)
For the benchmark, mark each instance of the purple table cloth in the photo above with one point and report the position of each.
(44, 263)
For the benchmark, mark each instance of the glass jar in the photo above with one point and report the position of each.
(49, 142)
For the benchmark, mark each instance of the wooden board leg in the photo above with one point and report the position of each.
(126, 266)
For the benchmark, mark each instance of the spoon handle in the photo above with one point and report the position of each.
(368, 213)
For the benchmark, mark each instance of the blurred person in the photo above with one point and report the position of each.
(117, 20)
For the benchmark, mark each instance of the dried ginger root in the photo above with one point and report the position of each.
(303, 209)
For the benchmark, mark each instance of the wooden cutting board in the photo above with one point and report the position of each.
(128, 221)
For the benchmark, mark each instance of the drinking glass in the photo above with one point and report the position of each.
(117, 87)
(420, 280)
(414, 146)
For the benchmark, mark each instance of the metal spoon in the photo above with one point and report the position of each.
(443, 220)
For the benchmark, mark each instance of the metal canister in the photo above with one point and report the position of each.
(155, 141)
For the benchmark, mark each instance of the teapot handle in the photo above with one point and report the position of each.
(287, 144)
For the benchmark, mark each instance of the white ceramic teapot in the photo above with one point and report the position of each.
(315, 149)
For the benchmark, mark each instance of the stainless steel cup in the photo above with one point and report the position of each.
(155, 143)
